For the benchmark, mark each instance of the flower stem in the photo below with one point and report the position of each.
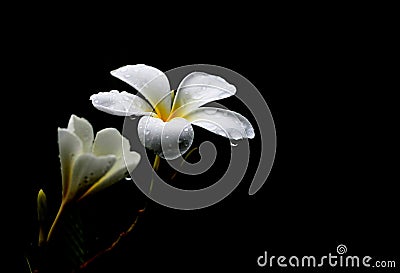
(156, 162)
(29, 264)
(183, 161)
(156, 165)
(112, 246)
(55, 221)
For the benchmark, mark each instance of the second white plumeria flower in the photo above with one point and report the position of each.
(91, 164)
(166, 125)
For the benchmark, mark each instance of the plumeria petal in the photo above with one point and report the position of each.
(197, 89)
(121, 104)
(149, 132)
(120, 170)
(223, 122)
(87, 170)
(167, 139)
(70, 146)
(110, 141)
(83, 129)
(151, 83)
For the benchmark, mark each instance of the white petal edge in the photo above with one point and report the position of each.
(121, 104)
(151, 83)
(87, 170)
(109, 141)
(197, 89)
(222, 122)
(70, 147)
(83, 129)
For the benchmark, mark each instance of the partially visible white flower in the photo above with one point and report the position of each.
(166, 126)
(89, 166)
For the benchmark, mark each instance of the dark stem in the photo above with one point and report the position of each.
(123, 234)
(113, 245)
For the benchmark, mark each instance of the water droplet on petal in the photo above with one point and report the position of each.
(166, 136)
(249, 132)
(147, 132)
(222, 95)
(128, 178)
(235, 134)
(197, 95)
(233, 144)
(221, 132)
(210, 111)
(238, 122)
(212, 127)
(127, 75)
(186, 129)
(132, 118)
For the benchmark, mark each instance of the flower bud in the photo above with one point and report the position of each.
(42, 213)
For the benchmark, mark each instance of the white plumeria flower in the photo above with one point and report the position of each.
(89, 166)
(166, 125)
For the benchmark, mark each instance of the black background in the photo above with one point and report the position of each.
(329, 86)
